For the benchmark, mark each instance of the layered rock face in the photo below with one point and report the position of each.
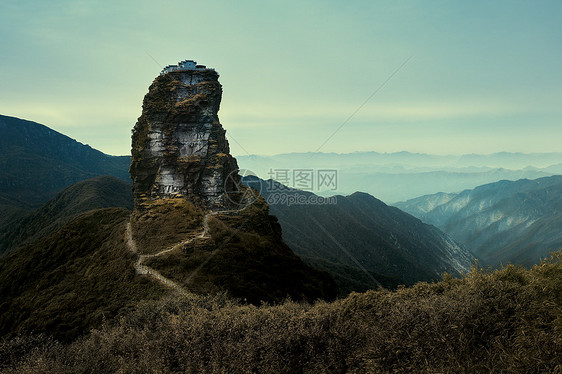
(179, 147)
(203, 231)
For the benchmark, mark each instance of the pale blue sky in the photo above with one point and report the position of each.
(485, 76)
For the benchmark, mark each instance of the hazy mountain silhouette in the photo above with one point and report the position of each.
(507, 221)
(394, 177)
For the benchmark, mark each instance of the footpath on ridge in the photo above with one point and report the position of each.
(140, 268)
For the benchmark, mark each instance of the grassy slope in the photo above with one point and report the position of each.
(12, 210)
(165, 222)
(96, 193)
(244, 255)
(506, 321)
(72, 279)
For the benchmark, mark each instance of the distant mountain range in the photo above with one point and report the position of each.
(508, 160)
(394, 177)
(384, 245)
(37, 162)
(515, 221)
(361, 240)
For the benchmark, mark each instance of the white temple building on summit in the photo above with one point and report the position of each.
(184, 65)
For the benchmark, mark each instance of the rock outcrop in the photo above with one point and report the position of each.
(179, 148)
(194, 223)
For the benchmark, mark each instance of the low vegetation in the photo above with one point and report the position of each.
(352, 279)
(83, 273)
(242, 254)
(509, 320)
(73, 279)
(161, 223)
(95, 193)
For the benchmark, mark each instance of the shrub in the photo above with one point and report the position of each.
(507, 321)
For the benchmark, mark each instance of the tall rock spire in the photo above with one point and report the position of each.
(193, 222)
(179, 148)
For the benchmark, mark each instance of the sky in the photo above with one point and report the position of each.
(441, 77)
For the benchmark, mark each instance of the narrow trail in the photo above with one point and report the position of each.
(143, 269)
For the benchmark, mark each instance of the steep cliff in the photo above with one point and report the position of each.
(194, 224)
(179, 147)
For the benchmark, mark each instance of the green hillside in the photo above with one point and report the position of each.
(95, 193)
(37, 162)
(72, 279)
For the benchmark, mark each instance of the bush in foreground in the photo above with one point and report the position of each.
(508, 320)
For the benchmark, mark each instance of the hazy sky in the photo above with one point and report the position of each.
(483, 76)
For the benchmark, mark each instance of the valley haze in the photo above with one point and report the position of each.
(394, 177)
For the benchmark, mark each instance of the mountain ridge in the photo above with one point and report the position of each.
(363, 232)
(38, 162)
(503, 221)
(395, 177)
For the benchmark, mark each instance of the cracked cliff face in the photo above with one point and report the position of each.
(179, 148)
(211, 233)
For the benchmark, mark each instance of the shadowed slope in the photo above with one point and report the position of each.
(95, 193)
(38, 162)
(72, 279)
(361, 232)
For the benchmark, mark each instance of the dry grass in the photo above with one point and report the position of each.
(162, 223)
(506, 321)
(243, 255)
